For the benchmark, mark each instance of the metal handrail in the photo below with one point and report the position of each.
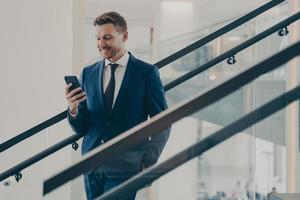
(148, 176)
(30, 132)
(281, 26)
(155, 125)
(217, 33)
(285, 196)
(61, 116)
(17, 168)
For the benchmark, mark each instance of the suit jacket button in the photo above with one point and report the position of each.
(102, 141)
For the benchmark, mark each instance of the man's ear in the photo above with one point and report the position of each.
(125, 36)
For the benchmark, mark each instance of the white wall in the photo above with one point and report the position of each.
(36, 52)
(176, 18)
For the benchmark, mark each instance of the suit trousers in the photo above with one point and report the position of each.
(97, 183)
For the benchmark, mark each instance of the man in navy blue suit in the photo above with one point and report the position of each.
(116, 94)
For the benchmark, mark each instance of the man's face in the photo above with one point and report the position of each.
(110, 41)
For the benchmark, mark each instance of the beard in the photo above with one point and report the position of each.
(108, 52)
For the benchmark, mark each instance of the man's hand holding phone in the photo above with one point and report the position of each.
(74, 96)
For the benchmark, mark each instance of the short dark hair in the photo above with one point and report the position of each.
(112, 18)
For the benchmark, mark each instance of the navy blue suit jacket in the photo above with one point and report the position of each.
(141, 95)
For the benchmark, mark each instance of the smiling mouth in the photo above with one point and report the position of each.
(105, 49)
(105, 52)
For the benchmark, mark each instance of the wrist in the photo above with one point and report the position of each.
(73, 112)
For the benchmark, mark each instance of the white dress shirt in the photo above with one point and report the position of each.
(119, 73)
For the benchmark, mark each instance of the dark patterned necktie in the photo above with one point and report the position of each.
(109, 92)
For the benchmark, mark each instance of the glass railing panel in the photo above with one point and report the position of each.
(221, 173)
(245, 166)
(216, 173)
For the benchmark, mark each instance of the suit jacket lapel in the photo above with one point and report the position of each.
(125, 83)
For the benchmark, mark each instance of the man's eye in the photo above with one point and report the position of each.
(104, 38)
(107, 37)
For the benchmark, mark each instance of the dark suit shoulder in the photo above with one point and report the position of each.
(89, 71)
(91, 67)
(147, 67)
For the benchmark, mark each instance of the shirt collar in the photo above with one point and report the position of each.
(123, 61)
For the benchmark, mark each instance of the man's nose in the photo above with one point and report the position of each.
(101, 44)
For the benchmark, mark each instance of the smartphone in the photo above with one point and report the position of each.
(74, 81)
